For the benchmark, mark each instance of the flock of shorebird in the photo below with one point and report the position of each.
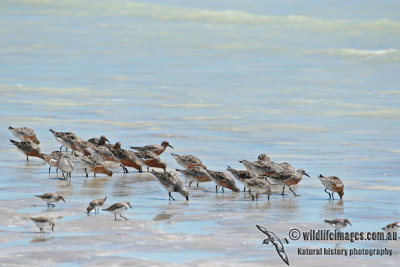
(96, 152)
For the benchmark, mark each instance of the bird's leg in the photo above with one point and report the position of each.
(244, 189)
(190, 183)
(63, 175)
(148, 169)
(27, 159)
(94, 175)
(41, 230)
(333, 197)
(66, 148)
(252, 196)
(328, 193)
(249, 190)
(115, 217)
(283, 191)
(293, 191)
(87, 175)
(123, 216)
(197, 184)
(49, 168)
(57, 170)
(60, 148)
(223, 190)
(171, 196)
(216, 188)
(126, 170)
(257, 196)
(48, 204)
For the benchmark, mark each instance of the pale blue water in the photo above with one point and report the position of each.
(309, 82)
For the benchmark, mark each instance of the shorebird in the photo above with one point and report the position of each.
(66, 165)
(42, 221)
(95, 164)
(392, 227)
(118, 208)
(99, 141)
(29, 148)
(338, 223)
(240, 175)
(171, 182)
(196, 174)
(259, 185)
(333, 184)
(276, 241)
(188, 161)
(286, 178)
(150, 159)
(66, 139)
(156, 149)
(51, 197)
(52, 159)
(262, 160)
(105, 151)
(95, 205)
(24, 134)
(223, 180)
(126, 158)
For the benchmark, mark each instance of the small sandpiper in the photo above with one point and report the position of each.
(338, 223)
(95, 164)
(66, 139)
(392, 227)
(95, 205)
(24, 134)
(29, 148)
(151, 160)
(52, 159)
(118, 208)
(49, 198)
(42, 221)
(240, 175)
(126, 159)
(333, 184)
(188, 161)
(223, 180)
(196, 174)
(156, 149)
(171, 182)
(286, 178)
(105, 152)
(259, 185)
(99, 141)
(66, 165)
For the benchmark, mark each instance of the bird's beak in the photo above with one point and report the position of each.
(107, 140)
(350, 224)
(130, 206)
(52, 228)
(306, 174)
(63, 199)
(171, 146)
(187, 198)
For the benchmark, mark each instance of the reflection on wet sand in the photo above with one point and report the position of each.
(335, 207)
(95, 186)
(41, 239)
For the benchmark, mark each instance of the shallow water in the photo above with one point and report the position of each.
(311, 83)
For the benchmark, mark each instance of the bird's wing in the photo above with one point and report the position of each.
(265, 231)
(281, 252)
